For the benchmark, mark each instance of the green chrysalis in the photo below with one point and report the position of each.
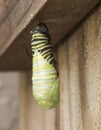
(45, 79)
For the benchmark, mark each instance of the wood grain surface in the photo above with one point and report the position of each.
(79, 63)
(19, 17)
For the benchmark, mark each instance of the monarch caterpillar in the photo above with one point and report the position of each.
(45, 79)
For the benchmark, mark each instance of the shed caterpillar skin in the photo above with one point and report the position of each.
(45, 79)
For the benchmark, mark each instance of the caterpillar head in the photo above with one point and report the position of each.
(41, 28)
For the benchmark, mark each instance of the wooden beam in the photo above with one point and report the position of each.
(79, 63)
(16, 20)
(60, 16)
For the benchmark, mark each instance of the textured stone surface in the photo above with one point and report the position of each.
(9, 101)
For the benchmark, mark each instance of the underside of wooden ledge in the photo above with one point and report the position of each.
(18, 18)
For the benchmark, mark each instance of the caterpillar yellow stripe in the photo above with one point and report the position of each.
(45, 79)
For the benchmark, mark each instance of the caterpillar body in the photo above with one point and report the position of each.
(45, 79)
